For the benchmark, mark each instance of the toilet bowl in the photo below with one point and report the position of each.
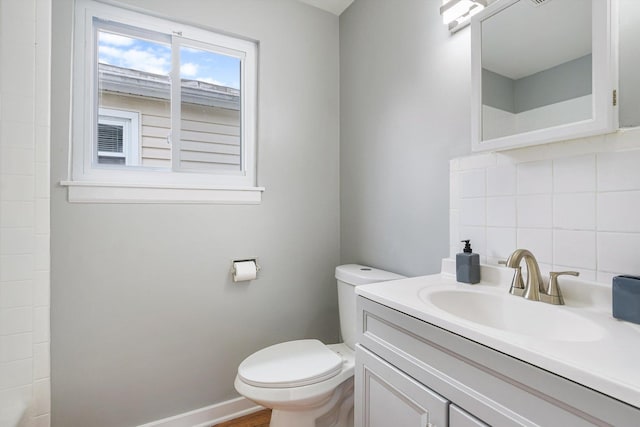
(305, 382)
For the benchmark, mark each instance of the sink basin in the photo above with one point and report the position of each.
(516, 315)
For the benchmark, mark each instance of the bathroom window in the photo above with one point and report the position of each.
(117, 137)
(160, 105)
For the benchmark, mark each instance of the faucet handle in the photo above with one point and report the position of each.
(553, 294)
(517, 284)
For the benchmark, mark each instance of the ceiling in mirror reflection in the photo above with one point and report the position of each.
(549, 34)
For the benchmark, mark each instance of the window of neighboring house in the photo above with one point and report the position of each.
(117, 138)
(159, 104)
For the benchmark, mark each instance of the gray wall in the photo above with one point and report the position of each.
(565, 81)
(498, 91)
(147, 325)
(405, 111)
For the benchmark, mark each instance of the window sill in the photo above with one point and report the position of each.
(100, 192)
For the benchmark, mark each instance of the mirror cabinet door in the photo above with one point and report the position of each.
(543, 71)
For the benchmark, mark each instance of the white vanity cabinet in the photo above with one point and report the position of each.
(391, 398)
(411, 373)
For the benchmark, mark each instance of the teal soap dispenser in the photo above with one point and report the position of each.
(467, 265)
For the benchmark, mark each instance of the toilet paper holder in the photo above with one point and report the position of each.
(243, 270)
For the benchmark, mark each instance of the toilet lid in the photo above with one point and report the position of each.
(290, 364)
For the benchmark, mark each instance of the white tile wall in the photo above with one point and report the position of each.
(574, 211)
(501, 211)
(574, 204)
(24, 212)
(501, 180)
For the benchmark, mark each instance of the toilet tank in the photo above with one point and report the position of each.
(349, 276)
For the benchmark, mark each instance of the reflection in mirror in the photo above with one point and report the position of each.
(536, 66)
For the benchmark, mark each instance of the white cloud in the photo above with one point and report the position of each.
(147, 61)
(114, 39)
(142, 60)
(189, 69)
(112, 52)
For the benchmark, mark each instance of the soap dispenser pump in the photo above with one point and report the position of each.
(467, 265)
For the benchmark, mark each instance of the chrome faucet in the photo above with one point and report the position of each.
(534, 288)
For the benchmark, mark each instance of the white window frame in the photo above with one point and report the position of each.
(130, 122)
(90, 182)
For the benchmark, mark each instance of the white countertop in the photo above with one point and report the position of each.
(606, 361)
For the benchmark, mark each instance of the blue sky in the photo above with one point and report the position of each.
(155, 57)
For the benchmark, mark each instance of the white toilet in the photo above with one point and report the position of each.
(305, 382)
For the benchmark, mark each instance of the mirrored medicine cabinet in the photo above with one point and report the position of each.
(542, 71)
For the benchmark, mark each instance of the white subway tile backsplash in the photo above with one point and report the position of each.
(17, 17)
(17, 160)
(16, 214)
(538, 241)
(501, 180)
(42, 181)
(16, 294)
(454, 190)
(17, 187)
(535, 211)
(41, 252)
(619, 171)
(576, 205)
(41, 357)
(454, 226)
(17, 134)
(16, 396)
(16, 320)
(42, 144)
(42, 218)
(24, 177)
(15, 374)
(480, 161)
(535, 177)
(42, 421)
(574, 248)
(619, 211)
(41, 288)
(605, 277)
(16, 240)
(501, 211)
(574, 211)
(575, 174)
(500, 242)
(18, 107)
(472, 183)
(15, 347)
(41, 324)
(618, 252)
(16, 267)
(41, 397)
(473, 212)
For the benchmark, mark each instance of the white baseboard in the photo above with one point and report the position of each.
(209, 415)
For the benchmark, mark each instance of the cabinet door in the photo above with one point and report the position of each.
(385, 396)
(460, 418)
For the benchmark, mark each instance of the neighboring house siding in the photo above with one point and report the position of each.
(210, 135)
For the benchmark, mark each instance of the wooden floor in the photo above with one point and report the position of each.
(257, 419)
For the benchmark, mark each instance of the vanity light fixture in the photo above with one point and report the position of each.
(457, 13)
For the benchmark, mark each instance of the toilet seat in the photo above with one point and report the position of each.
(290, 364)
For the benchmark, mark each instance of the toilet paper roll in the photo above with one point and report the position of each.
(244, 270)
